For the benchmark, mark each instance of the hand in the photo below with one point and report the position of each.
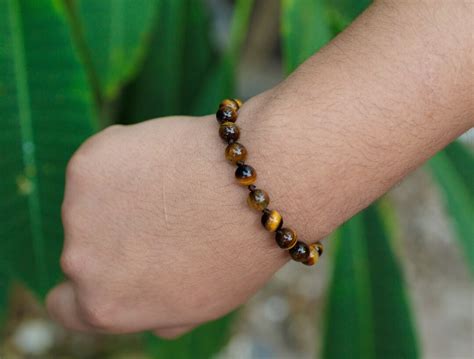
(158, 234)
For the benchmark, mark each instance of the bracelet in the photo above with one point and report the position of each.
(258, 199)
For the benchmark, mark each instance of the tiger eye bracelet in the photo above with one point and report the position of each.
(258, 199)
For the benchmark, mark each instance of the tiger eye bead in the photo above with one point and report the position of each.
(226, 114)
(300, 252)
(238, 102)
(235, 152)
(232, 103)
(229, 131)
(319, 247)
(258, 199)
(314, 254)
(245, 174)
(272, 220)
(286, 238)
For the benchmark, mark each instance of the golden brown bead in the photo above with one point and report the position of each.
(245, 174)
(236, 152)
(314, 254)
(226, 114)
(300, 252)
(272, 220)
(231, 102)
(319, 247)
(258, 199)
(286, 238)
(238, 102)
(229, 131)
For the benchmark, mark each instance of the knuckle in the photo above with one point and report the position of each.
(77, 166)
(90, 155)
(72, 264)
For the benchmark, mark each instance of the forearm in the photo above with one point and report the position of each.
(357, 117)
(158, 234)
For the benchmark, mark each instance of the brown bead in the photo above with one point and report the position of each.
(314, 254)
(229, 131)
(286, 238)
(238, 102)
(319, 247)
(236, 152)
(300, 252)
(245, 174)
(258, 199)
(272, 220)
(226, 114)
(232, 103)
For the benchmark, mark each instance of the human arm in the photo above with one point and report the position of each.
(157, 233)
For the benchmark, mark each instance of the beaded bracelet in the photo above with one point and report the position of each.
(258, 199)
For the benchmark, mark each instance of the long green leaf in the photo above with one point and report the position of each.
(221, 83)
(39, 130)
(116, 34)
(305, 29)
(462, 158)
(458, 197)
(4, 291)
(183, 74)
(349, 9)
(180, 58)
(367, 312)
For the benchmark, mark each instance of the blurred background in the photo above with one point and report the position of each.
(399, 287)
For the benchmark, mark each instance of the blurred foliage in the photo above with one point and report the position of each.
(39, 130)
(116, 34)
(202, 342)
(453, 169)
(367, 313)
(65, 64)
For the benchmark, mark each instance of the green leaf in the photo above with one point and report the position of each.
(367, 312)
(305, 29)
(349, 9)
(116, 34)
(46, 112)
(221, 83)
(4, 291)
(462, 158)
(202, 342)
(183, 73)
(457, 193)
(180, 58)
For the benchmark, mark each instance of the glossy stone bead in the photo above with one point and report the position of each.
(286, 238)
(245, 174)
(235, 152)
(258, 199)
(315, 252)
(231, 102)
(272, 220)
(229, 131)
(226, 114)
(238, 102)
(319, 247)
(300, 252)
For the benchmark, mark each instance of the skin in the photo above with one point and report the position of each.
(158, 234)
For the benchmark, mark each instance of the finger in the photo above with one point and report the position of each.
(173, 332)
(62, 307)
